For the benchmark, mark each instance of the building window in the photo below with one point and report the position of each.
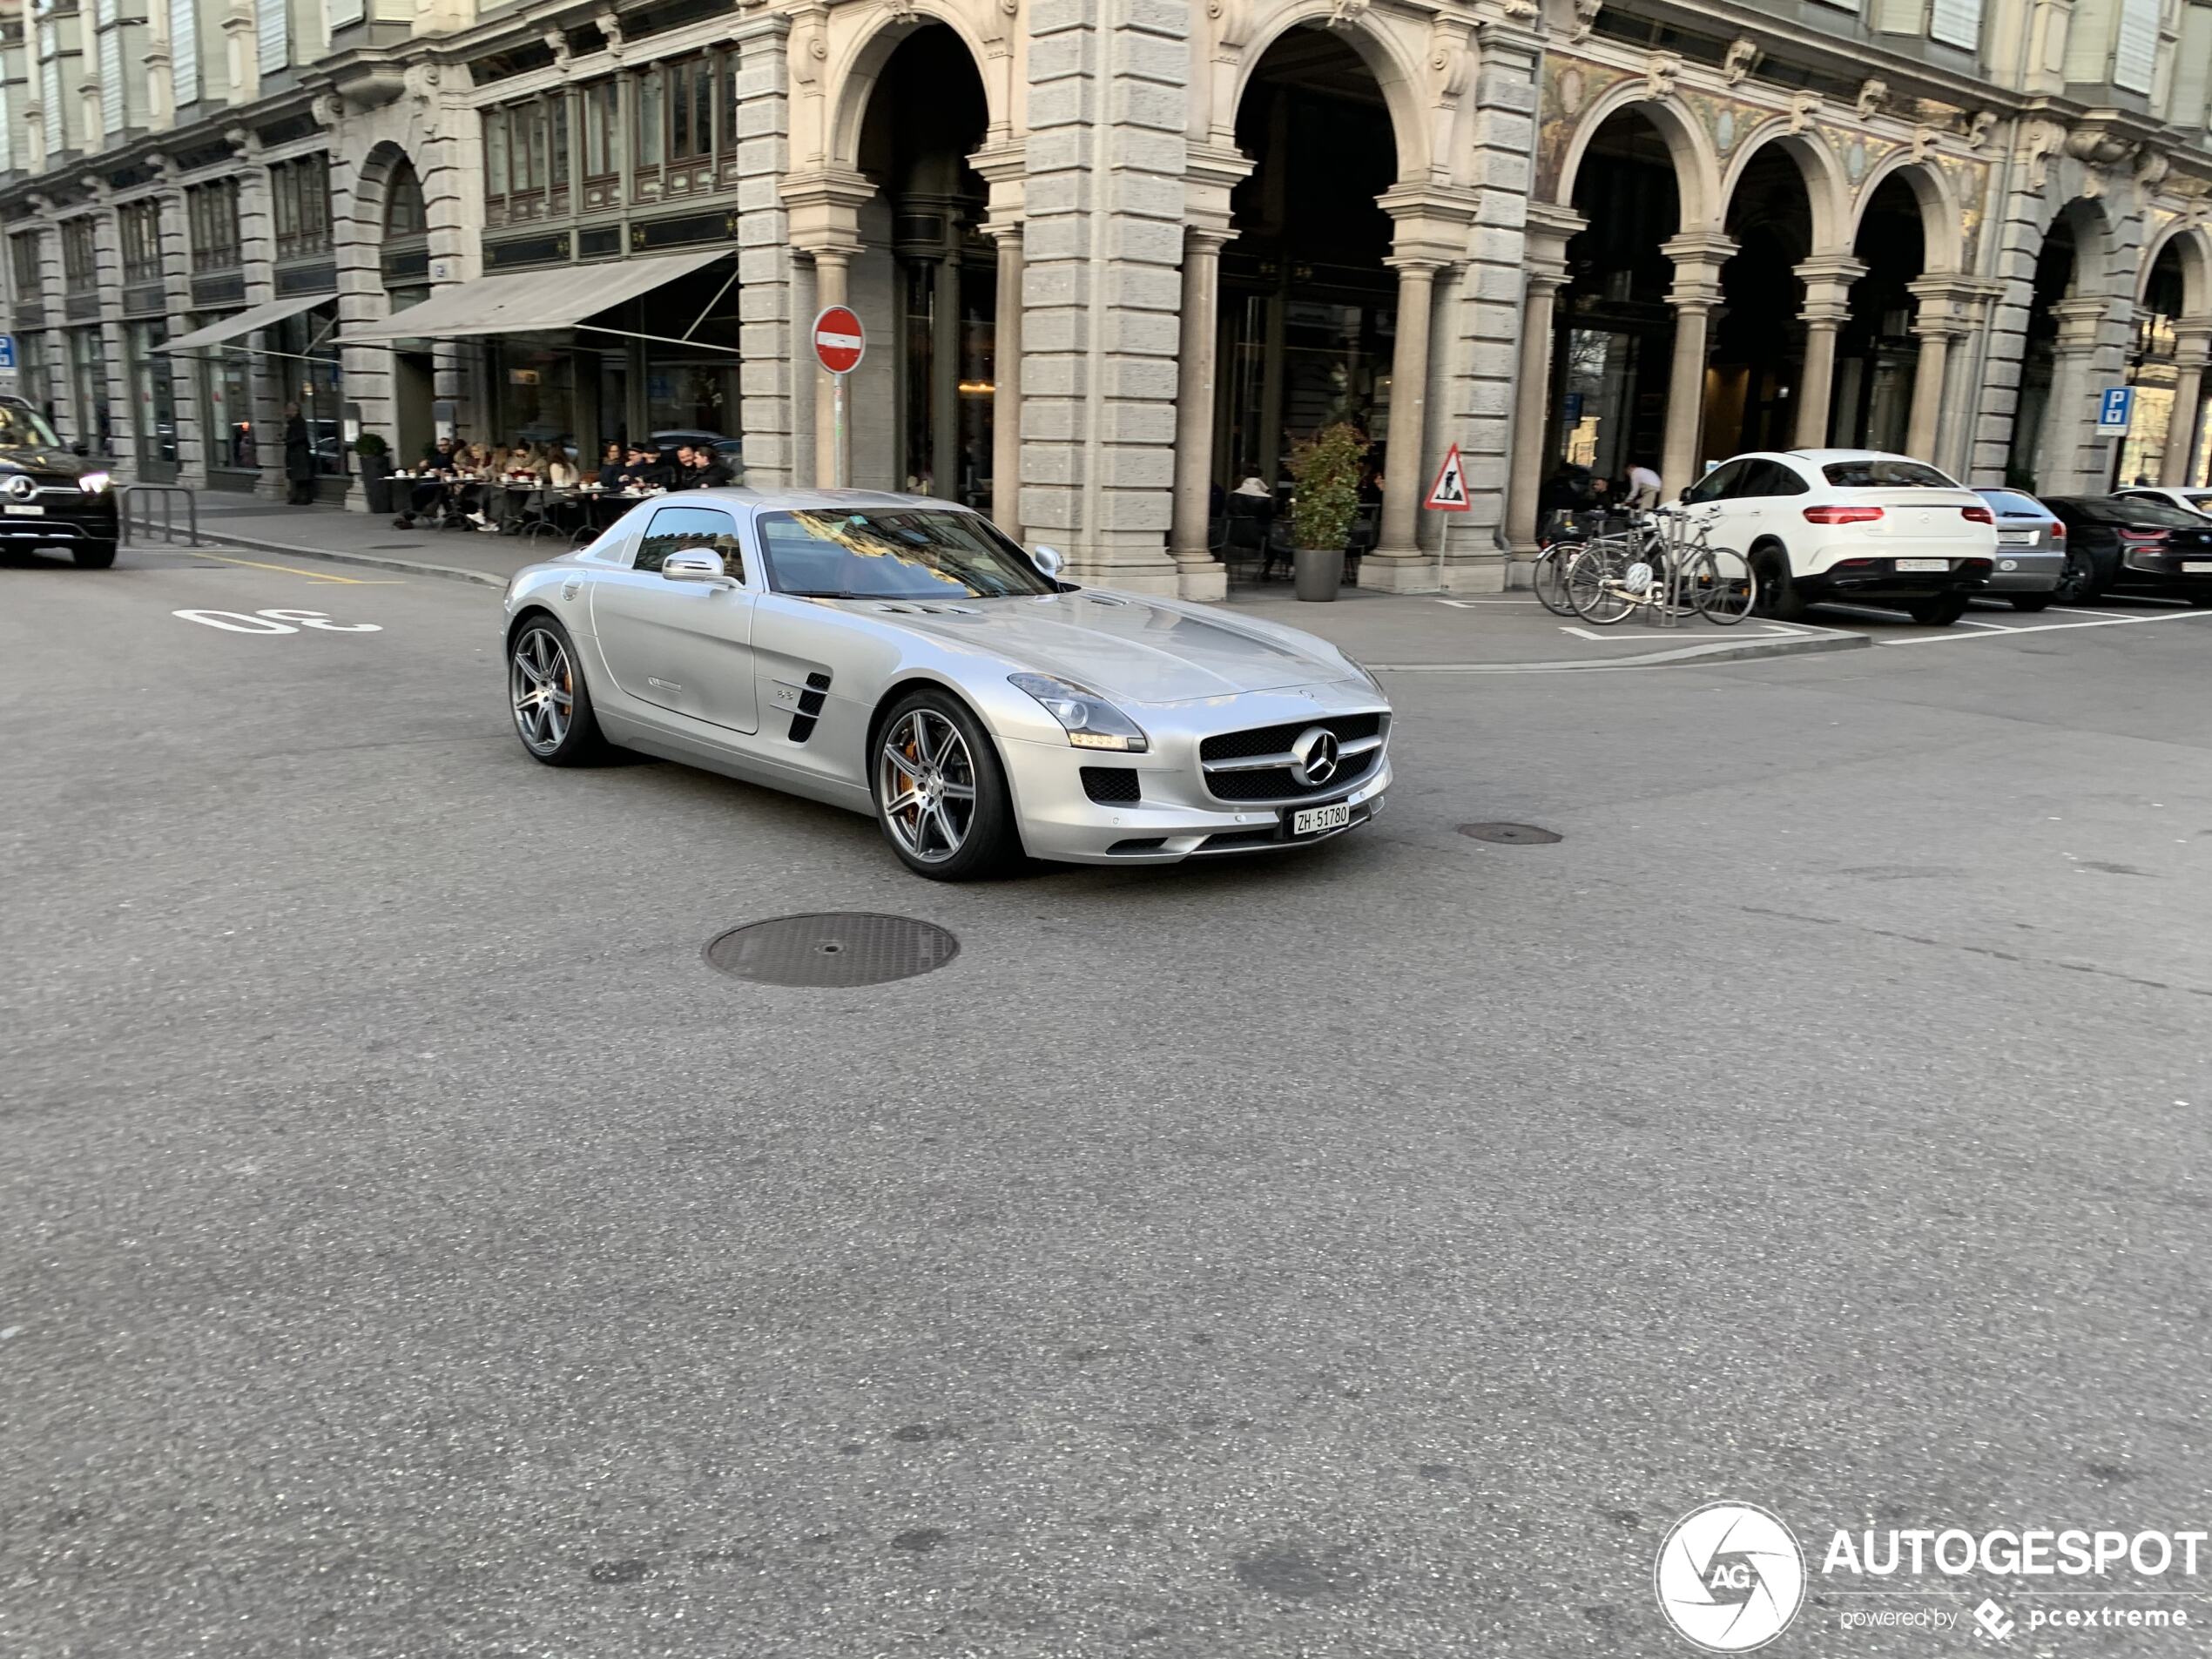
(300, 189)
(23, 263)
(80, 260)
(404, 213)
(602, 116)
(139, 225)
(211, 210)
(526, 157)
(685, 109)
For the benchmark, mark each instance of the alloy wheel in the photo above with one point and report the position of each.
(926, 780)
(543, 685)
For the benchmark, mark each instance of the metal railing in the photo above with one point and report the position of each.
(139, 524)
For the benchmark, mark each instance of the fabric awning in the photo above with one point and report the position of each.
(252, 320)
(531, 302)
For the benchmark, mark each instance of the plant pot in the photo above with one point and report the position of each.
(376, 483)
(1318, 570)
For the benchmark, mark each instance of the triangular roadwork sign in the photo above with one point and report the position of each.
(1449, 493)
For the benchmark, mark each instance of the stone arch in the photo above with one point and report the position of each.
(2193, 248)
(1696, 166)
(855, 77)
(1396, 74)
(1942, 222)
(1816, 164)
(372, 179)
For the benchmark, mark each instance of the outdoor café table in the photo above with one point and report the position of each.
(601, 508)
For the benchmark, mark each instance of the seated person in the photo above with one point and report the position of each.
(426, 493)
(610, 465)
(560, 469)
(646, 469)
(702, 468)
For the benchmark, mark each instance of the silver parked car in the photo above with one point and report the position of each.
(901, 656)
(2032, 566)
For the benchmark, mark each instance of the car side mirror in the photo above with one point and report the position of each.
(704, 568)
(1686, 488)
(1047, 561)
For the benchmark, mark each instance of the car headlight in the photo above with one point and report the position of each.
(1089, 719)
(92, 482)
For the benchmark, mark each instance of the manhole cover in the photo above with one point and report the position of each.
(831, 950)
(1511, 834)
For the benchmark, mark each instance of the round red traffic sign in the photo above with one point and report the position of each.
(840, 341)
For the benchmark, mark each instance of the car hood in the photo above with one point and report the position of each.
(41, 461)
(1124, 646)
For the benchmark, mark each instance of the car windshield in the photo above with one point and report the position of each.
(893, 553)
(2139, 510)
(22, 428)
(1884, 472)
(2012, 504)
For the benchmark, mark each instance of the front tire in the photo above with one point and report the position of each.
(93, 556)
(940, 795)
(1939, 612)
(551, 703)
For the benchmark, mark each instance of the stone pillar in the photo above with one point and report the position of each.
(1005, 384)
(2178, 465)
(1694, 296)
(1828, 282)
(944, 376)
(1398, 564)
(2068, 450)
(822, 208)
(832, 448)
(766, 271)
(1920, 436)
(1198, 574)
(1546, 265)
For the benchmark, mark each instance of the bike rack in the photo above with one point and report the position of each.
(136, 524)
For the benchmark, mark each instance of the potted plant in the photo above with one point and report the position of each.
(376, 472)
(1325, 472)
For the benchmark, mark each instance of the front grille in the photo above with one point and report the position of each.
(1111, 786)
(1276, 784)
(1277, 739)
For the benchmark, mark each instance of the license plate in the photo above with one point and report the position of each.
(1314, 819)
(2196, 566)
(2016, 538)
(1923, 564)
(16, 512)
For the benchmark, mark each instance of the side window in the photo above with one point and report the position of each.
(1725, 481)
(1779, 479)
(678, 529)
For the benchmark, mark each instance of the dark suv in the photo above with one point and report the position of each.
(49, 497)
(2134, 544)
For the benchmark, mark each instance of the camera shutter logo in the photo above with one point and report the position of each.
(1729, 1577)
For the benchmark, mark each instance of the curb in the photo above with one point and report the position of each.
(375, 561)
(1749, 651)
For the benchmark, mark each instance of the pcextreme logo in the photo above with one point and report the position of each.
(1729, 1577)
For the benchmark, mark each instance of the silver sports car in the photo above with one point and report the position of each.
(901, 656)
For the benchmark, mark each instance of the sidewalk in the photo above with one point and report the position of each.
(1409, 633)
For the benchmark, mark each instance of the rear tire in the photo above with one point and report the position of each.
(2078, 581)
(1777, 595)
(2031, 601)
(937, 757)
(1939, 612)
(93, 556)
(547, 695)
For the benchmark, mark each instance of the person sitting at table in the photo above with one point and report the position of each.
(433, 476)
(560, 470)
(702, 468)
(610, 463)
(647, 469)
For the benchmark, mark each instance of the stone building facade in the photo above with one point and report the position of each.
(1116, 255)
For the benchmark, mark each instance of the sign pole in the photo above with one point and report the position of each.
(836, 417)
(840, 343)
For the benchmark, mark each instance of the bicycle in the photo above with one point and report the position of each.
(1663, 563)
(1572, 531)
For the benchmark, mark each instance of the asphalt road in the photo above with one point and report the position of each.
(409, 1247)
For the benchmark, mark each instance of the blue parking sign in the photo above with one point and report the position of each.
(7, 351)
(2116, 404)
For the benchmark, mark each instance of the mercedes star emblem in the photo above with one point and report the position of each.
(20, 484)
(1314, 757)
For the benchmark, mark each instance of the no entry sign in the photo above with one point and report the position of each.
(840, 341)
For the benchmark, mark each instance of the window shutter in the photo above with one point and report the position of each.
(111, 81)
(56, 126)
(184, 50)
(1957, 22)
(2134, 57)
(7, 132)
(343, 14)
(273, 34)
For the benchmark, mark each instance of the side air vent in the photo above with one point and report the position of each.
(810, 707)
(1101, 599)
(1111, 786)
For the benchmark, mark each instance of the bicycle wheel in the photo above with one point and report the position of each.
(1548, 580)
(1593, 587)
(1719, 585)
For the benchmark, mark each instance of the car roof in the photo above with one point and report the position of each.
(747, 498)
(1850, 455)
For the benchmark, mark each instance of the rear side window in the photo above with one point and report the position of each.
(1771, 478)
(2138, 510)
(683, 530)
(2013, 504)
(1884, 472)
(2201, 499)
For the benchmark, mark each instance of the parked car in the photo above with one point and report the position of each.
(2033, 567)
(2195, 501)
(2136, 544)
(1854, 525)
(48, 496)
(901, 656)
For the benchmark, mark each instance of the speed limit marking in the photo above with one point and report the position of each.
(276, 622)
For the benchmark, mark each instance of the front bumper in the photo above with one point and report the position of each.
(64, 522)
(1058, 819)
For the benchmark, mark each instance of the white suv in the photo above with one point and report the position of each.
(1851, 525)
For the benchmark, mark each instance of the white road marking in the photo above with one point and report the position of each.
(2051, 628)
(276, 621)
(1773, 631)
